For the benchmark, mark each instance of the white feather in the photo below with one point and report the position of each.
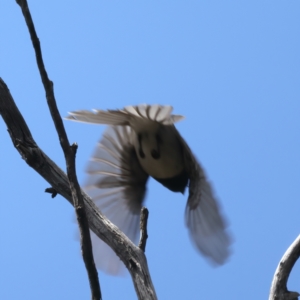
(116, 183)
(163, 114)
(111, 117)
(128, 116)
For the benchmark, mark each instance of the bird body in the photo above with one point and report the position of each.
(159, 151)
(142, 141)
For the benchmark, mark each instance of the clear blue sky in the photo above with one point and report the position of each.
(231, 67)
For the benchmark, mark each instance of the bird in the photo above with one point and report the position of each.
(141, 141)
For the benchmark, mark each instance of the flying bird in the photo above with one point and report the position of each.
(142, 141)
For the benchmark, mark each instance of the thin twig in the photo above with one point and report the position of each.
(51, 191)
(279, 289)
(143, 228)
(70, 153)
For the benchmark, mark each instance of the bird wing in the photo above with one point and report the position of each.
(207, 227)
(109, 117)
(158, 113)
(117, 185)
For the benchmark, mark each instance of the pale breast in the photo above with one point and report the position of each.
(159, 151)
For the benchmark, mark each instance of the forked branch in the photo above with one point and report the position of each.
(69, 153)
(133, 258)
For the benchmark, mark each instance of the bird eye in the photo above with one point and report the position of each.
(155, 154)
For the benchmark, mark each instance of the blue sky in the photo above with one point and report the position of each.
(231, 67)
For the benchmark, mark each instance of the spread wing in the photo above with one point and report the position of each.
(158, 113)
(203, 217)
(117, 185)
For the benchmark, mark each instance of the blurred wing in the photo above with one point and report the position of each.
(117, 185)
(206, 225)
(110, 117)
(158, 113)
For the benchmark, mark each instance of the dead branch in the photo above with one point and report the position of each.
(69, 153)
(279, 289)
(131, 255)
(143, 228)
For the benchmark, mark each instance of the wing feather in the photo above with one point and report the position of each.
(110, 117)
(117, 184)
(163, 113)
(127, 116)
(204, 220)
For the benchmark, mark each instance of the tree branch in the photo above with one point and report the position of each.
(70, 154)
(279, 289)
(132, 256)
(143, 228)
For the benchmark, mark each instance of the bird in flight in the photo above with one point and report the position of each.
(142, 141)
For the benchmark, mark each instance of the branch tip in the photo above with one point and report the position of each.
(143, 228)
(279, 289)
(52, 191)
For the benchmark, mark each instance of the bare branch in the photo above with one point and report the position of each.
(279, 289)
(70, 153)
(132, 256)
(143, 228)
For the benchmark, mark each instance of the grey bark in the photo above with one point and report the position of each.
(279, 289)
(131, 255)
